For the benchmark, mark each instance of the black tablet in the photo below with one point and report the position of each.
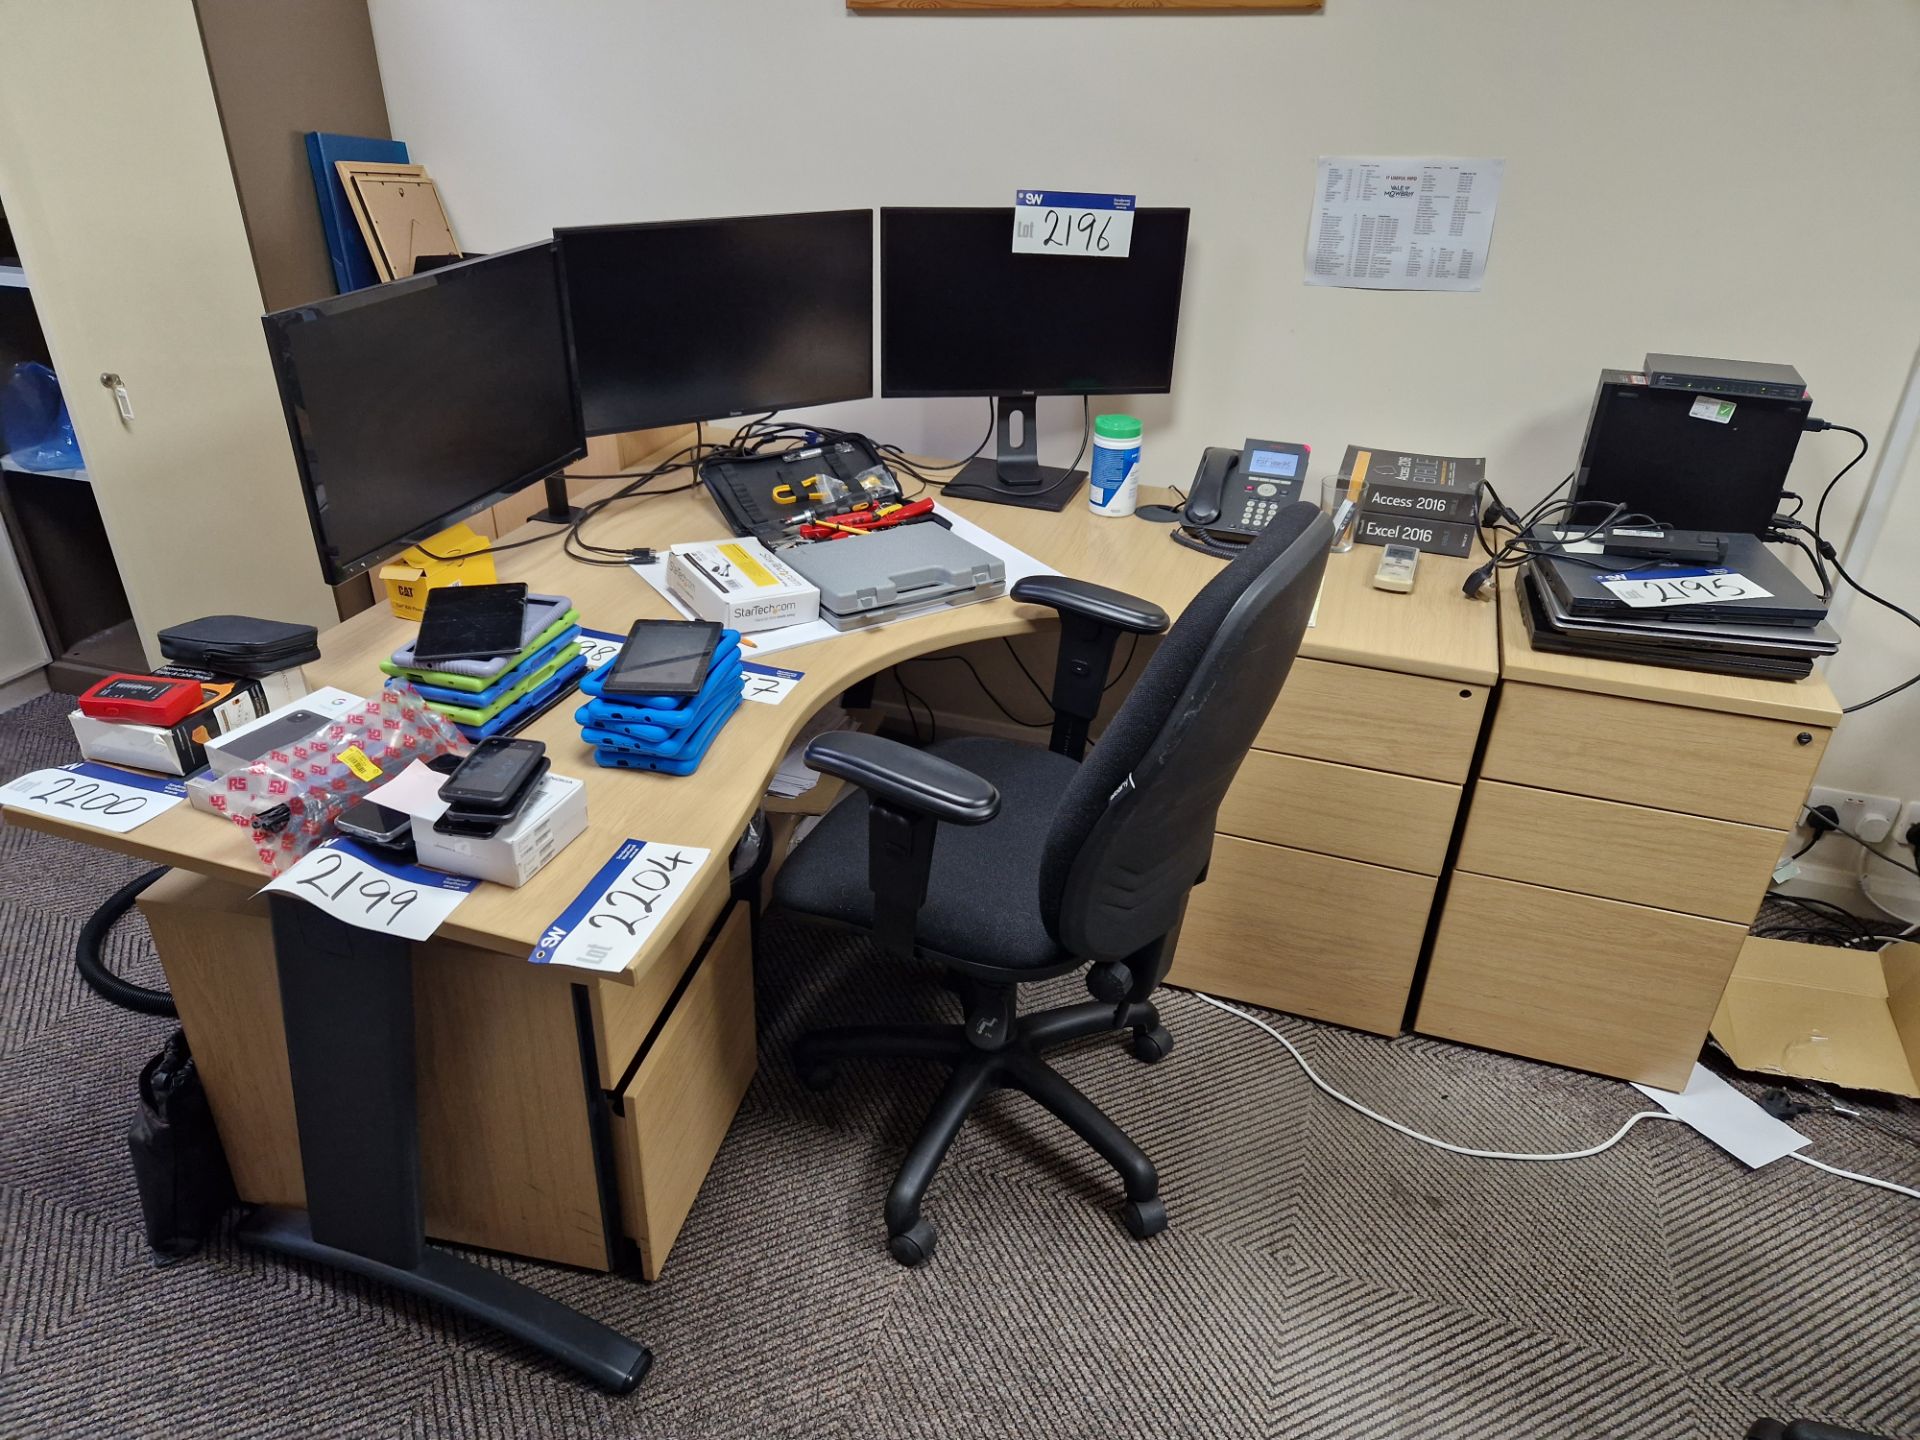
(663, 657)
(471, 622)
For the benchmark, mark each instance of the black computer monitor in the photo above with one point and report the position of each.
(415, 403)
(962, 314)
(702, 319)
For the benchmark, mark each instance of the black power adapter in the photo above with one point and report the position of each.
(1673, 547)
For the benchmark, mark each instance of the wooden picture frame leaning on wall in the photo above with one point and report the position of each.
(399, 213)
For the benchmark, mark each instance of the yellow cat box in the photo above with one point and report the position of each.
(464, 558)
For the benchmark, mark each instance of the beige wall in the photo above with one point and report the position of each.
(1877, 750)
(1720, 177)
(118, 189)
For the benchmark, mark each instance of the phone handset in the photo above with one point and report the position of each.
(1209, 484)
(1236, 494)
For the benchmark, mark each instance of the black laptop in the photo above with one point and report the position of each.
(1657, 627)
(1579, 581)
(1543, 635)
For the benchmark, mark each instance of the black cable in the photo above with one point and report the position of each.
(1824, 550)
(1086, 436)
(908, 697)
(1860, 928)
(1867, 846)
(1820, 508)
(1808, 846)
(1906, 684)
(93, 968)
(1133, 646)
(916, 468)
(1038, 688)
(1522, 545)
(1819, 567)
(985, 689)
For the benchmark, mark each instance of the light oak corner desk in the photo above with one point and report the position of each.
(572, 1116)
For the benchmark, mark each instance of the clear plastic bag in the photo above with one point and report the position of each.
(36, 433)
(289, 799)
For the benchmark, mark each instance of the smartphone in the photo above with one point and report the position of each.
(477, 827)
(495, 777)
(471, 622)
(663, 657)
(282, 734)
(375, 824)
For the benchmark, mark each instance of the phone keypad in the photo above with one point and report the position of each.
(1258, 514)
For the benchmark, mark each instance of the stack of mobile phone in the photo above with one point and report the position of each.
(491, 787)
(660, 702)
(382, 828)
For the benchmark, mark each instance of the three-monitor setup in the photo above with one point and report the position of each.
(419, 402)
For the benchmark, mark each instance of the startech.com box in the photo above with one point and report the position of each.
(740, 584)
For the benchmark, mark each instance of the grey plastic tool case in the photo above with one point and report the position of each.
(878, 577)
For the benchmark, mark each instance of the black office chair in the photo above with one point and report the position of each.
(1052, 862)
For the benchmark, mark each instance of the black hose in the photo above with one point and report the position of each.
(93, 970)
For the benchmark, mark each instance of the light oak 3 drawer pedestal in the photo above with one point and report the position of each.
(1620, 834)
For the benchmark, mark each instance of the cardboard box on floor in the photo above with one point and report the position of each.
(1846, 1017)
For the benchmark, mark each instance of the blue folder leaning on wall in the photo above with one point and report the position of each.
(352, 265)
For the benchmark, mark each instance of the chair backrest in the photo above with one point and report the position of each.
(1134, 830)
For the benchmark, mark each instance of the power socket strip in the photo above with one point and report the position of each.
(1871, 817)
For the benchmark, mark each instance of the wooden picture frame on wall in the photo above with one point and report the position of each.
(1015, 7)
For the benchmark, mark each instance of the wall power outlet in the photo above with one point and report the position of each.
(1909, 818)
(1871, 817)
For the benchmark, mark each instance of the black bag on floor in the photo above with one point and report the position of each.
(185, 1186)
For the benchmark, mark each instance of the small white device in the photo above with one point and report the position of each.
(1396, 568)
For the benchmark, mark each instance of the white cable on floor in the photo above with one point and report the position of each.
(1854, 1175)
(1407, 1130)
(1412, 1134)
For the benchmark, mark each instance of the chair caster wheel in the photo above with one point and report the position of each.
(819, 1077)
(1144, 1218)
(1152, 1045)
(914, 1246)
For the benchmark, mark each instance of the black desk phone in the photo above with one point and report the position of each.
(1236, 493)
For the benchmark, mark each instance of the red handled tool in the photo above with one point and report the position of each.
(860, 522)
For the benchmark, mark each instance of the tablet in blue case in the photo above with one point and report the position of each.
(684, 763)
(726, 651)
(677, 713)
(558, 683)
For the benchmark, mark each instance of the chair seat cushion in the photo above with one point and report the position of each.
(983, 896)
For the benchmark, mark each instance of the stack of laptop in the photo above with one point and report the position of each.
(1748, 614)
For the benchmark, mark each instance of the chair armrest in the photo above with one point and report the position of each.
(909, 779)
(1097, 603)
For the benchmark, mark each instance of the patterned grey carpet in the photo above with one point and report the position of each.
(1322, 1277)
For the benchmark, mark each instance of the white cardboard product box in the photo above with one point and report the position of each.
(740, 584)
(163, 748)
(555, 817)
(329, 701)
